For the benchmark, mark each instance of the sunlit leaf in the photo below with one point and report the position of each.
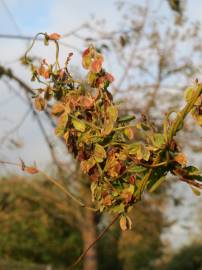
(129, 133)
(86, 165)
(57, 109)
(99, 153)
(79, 125)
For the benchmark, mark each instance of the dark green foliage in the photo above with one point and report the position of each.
(188, 258)
(31, 233)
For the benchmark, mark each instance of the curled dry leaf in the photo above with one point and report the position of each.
(31, 170)
(54, 36)
(125, 223)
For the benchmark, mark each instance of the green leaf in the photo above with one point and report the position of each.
(157, 184)
(143, 153)
(79, 124)
(118, 208)
(158, 140)
(46, 40)
(126, 118)
(133, 148)
(193, 173)
(137, 169)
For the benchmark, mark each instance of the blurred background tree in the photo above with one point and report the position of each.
(154, 53)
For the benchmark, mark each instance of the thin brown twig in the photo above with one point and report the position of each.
(65, 191)
(52, 180)
(81, 257)
(191, 182)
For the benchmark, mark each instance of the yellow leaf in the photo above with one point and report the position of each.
(112, 113)
(129, 133)
(99, 153)
(196, 191)
(79, 125)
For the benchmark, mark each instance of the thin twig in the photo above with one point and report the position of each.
(191, 182)
(53, 181)
(81, 257)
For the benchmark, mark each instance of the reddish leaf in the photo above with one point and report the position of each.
(31, 170)
(96, 65)
(181, 159)
(54, 36)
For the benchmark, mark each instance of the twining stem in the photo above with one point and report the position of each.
(33, 42)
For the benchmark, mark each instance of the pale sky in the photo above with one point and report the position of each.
(27, 17)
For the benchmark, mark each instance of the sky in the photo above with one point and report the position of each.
(28, 17)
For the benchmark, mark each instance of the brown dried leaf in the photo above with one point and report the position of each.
(86, 165)
(39, 103)
(57, 109)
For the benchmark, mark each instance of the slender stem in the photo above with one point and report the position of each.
(33, 42)
(191, 182)
(65, 191)
(80, 258)
(53, 181)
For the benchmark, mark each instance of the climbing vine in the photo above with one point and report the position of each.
(120, 166)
